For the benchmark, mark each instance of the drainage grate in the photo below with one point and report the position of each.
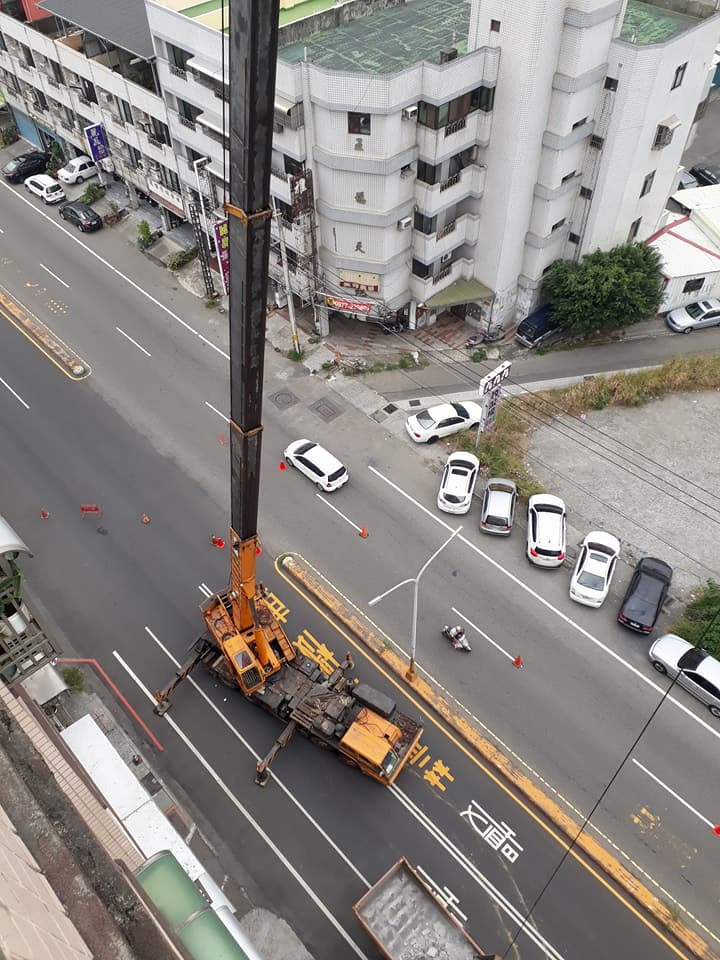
(414, 403)
(283, 399)
(326, 409)
(390, 408)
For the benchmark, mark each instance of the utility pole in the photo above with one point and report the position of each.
(286, 277)
(253, 44)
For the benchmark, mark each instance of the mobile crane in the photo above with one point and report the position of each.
(243, 644)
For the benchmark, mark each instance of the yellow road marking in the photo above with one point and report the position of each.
(33, 340)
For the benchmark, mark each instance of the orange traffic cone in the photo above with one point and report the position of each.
(517, 662)
(217, 542)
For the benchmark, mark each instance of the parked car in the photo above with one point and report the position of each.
(538, 326)
(706, 174)
(25, 165)
(78, 169)
(498, 506)
(46, 188)
(458, 483)
(694, 316)
(441, 421)
(695, 669)
(645, 594)
(81, 215)
(325, 470)
(546, 530)
(594, 568)
(686, 181)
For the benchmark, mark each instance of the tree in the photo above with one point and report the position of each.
(607, 289)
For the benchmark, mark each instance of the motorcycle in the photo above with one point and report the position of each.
(478, 339)
(456, 636)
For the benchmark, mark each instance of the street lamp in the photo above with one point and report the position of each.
(410, 675)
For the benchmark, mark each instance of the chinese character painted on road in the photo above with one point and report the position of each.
(435, 774)
(317, 651)
(496, 834)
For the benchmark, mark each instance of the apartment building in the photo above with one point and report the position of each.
(429, 155)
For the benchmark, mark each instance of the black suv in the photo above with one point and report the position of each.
(537, 327)
(81, 216)
(645, 594)
(706, 174)
(25, 165)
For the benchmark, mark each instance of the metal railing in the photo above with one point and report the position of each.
(446, 230)
(450, 182)
(455, 126)
(441, 276)
(178, 71)
(186, 122)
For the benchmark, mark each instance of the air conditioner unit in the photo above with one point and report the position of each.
(142, 117)
(278, 128)
(152, 168)
(106, 96)
(410, 113)
(39, 59)
(405, 223)
(446, 257)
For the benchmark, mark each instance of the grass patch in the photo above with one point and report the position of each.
(503, 450)
(294, 355)
(700, 623)
(74, 677)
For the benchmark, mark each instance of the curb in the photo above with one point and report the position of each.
(71, 364)
(313, 581)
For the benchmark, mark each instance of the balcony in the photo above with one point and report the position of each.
(280, 185)
(294, 235)
(431, 199)
(177, 71)
(436, 145)
(422, 289)
(429, 247)
(167, 197)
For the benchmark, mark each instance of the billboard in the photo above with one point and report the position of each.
(97, 142)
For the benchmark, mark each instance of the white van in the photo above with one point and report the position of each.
(45, 187)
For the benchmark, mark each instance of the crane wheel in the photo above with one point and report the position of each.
(348, 762)
(318, 743)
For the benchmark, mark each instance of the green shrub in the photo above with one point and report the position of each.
(479, 355)
(93, 191)
(74, 677)
(700, 623)
(144, 233)
(179, 259)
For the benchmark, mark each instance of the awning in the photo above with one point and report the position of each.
(460, 291)
(282, 105)
(672, 122)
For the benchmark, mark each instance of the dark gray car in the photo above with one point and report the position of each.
(645, 595)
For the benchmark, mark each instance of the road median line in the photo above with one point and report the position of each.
(316, 584)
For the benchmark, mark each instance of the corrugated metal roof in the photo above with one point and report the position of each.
(122, 22)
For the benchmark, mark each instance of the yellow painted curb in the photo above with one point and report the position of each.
(65, 358)
(312, 581)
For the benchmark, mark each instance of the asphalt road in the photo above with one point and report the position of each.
(138, 436)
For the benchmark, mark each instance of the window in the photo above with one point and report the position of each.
(3, 45)
(359, 123)
(573, 238)
(125, 111)
(586, 193)
(634, 228)
(424, 224)
(482, 98)
(647, 184)
(568, 176)
(679, 75)
(420, 269)
(57, 71)
(427, 172)
(556, 226)
(177, 56)
(579, 123)
(494, 26)
(697, 283)
(663, 136)
(611, 84)
(27, 56)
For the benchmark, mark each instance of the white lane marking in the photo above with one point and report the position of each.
(339, 512)
(54, 276)
(205, 589)
(546, 603)
(119, 273)
(215, 410)
(673, 794)
(444, 894)
(133, 342)
(16, 395)
(1, 230)
(245, 812)
(256, 756)
(482, 633)
(529, 930)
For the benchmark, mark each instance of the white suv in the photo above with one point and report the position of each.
(546, 530)
(45, 187)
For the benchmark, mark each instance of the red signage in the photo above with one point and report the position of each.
(348, 306)
(32, 11)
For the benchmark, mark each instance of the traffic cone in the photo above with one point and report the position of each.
(44, 515)
(144, 518)
(282, 465)
(223, 439)
(217, 542)
(363, 533)
(716, 830)
(517, 662)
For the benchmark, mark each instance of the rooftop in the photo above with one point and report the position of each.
(645, 23)
(388, 40)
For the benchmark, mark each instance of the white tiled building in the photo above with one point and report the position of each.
(428, 155)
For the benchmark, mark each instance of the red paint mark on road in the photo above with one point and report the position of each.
(121, 697)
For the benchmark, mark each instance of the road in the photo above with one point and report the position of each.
(139, 436)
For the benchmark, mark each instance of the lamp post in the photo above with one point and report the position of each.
(410, 675)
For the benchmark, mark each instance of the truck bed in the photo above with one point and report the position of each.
(406, 921)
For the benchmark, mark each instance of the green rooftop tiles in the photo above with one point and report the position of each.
(650, 24)
(389, 40)
(306, 9)
(198, 9)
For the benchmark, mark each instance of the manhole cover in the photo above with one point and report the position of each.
(390, 408)
(326, 409)
(283, 399)
(414, 403)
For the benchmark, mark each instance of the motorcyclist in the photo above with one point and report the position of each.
(457, 636)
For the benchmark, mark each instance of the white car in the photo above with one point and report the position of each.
(458, 483)
(45, 187)
(78, 169)
(440, 421)
(546, 530)
(695, 669)
(325, 470)
(594, 569)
